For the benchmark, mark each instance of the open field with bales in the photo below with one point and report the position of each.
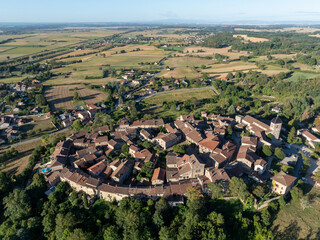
(61, 97)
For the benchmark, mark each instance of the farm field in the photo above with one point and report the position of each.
(182, 72)
(251, 39)
(180, 96)
(193, 50)
(61, 97)
(42, 41)
(229, 67)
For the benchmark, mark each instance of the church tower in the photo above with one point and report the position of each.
(275, 127)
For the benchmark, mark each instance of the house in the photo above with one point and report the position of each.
(260, 166)
(209, 144)
(97, 168)
(240, 109)
(167, 140)
(158, 176)
(36, 110)
(67, 123)
(276, 110)
(122, 172)
(188, 118)
(246, 157)
(282, 183)
(310, 138)
(251, 142)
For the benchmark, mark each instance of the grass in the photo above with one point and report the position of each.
(37, 123)
(301, 76)
(292, 222)
(180, 96)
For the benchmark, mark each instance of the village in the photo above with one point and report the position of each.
(109, 164)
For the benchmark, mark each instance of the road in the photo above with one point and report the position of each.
(178, 90)
(33, 139)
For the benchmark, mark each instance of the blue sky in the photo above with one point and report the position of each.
(209, 11)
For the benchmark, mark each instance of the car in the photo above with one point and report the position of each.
(304, 179)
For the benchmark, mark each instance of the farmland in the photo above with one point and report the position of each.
(61, 97)
(199, 94)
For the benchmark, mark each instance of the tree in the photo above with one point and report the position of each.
(79, 234)
(266, 217)
(76, 96)
(180, 149)
(40, 100)
(77, 125)
(259, 191)
(282, 201)
(279, 153)
(238, 188)
(17, 205)
(229, 130)
(267, 150)
(292, 135)
(112, 233)
(231, 110)
(125, 148)
(216, 190)
(296, 193)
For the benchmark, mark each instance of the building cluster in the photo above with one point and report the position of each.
(84, 115)
(9, 128)
(84, 159)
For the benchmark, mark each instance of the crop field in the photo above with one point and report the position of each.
(61, 97)
(166, 34)
(34, 43)
(180, 96)
(193, 50)
(177, 62)
(181, 72)
(251, 39)
(230, 67)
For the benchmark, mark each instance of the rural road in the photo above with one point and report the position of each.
(32, 139)
(178, 90)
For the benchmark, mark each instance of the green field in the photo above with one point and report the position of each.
(180, 96)
(301, 76)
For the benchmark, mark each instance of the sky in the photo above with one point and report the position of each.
(195, 11)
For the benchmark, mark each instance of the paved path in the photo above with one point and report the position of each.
(266, 203)
(177, 90)
(32, 139)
